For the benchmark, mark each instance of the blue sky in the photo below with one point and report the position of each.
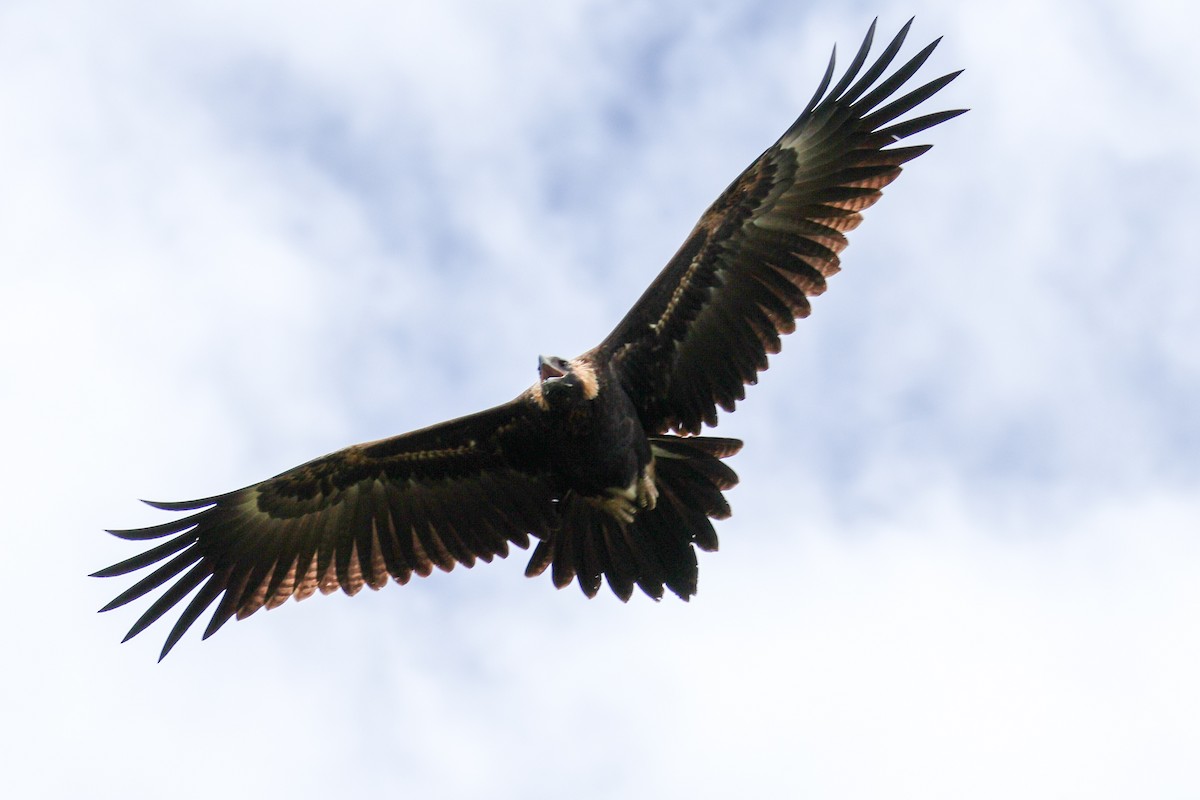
(964, 551)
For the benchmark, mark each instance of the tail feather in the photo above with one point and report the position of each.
(622, 562)
(658, 549)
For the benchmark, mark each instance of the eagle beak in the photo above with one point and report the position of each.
(547, 370)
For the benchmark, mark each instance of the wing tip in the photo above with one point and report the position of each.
(186, 505)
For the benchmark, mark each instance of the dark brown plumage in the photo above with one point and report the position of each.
(585, 460)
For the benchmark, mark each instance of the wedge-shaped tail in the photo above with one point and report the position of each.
(656, 549)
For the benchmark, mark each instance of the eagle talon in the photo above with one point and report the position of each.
(621, 503)
(625, 503)
(647, 489)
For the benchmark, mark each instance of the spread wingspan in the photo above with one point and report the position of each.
(469, 488)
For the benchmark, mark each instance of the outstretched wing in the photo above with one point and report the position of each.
(703, 329)
(440, 496)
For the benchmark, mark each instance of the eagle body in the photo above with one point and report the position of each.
(594, 438)
(600, 461)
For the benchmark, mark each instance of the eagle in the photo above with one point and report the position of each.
(600, 461)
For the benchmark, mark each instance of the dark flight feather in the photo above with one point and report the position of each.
(704, 328)
(319, 526)
(584, 461)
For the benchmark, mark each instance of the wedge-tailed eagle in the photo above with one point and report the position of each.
(599, 460)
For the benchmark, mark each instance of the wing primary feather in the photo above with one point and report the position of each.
(190, 505)
(878, 68)
(895, 80)
(909, 101)
(168, 599)
(228, 605)
(160, 530)
(820, 92)
(893, 156)
(155, 579)
(860, 58)
(902, 130)
(199, 604)
(151, 556)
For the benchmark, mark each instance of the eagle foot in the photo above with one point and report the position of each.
(624, 503)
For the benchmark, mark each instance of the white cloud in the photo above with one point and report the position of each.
(963, 556)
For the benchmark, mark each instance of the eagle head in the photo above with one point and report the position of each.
(560, 382)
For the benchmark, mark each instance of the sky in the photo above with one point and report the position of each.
(964, 553)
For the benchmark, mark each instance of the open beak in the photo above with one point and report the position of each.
(547, 370)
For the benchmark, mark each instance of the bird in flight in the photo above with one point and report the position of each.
(599, 460)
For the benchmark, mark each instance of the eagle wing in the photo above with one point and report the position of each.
(441, 496)
(703, 329)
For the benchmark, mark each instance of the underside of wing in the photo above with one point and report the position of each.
(703, 330)
(386, 510)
